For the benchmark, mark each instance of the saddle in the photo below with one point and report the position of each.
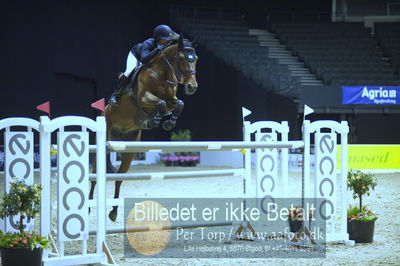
(133, 76)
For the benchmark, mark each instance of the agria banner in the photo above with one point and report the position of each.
(370, 95)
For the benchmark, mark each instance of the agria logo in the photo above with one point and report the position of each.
(380, 95)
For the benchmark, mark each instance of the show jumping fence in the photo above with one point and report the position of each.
(72, 221)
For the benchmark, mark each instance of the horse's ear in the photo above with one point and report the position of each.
(181, 45)
(195, 41)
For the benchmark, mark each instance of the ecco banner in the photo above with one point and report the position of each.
(73, 185)
(370, 95)
(18, 165)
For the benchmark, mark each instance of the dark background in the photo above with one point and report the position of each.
(68, 52)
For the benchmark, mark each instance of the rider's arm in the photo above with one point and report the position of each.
(148, 51)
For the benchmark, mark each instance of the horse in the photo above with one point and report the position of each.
(149, 98)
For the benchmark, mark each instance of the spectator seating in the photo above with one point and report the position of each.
(230, 41)
(338, 53)
(388, 36)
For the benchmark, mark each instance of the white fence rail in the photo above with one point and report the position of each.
(74, 148)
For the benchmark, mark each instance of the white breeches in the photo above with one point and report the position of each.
(131, 63)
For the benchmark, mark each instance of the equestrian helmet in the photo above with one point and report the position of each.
(164, 32)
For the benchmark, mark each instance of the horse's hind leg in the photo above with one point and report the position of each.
(110, 169)
(92, 183)
(126, 160)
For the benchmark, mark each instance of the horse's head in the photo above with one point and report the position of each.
(186, 62)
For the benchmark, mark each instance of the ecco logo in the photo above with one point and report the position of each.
(73, 157)
(326, 172)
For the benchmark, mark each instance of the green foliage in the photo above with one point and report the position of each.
(23, 200)
(181, 135)
(296, 213)
(360, 183)
(10, 240)
(354, 213)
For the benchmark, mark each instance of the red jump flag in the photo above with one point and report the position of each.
(99, 105)
(44, 107)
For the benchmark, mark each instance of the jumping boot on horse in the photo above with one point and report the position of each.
(122, 82)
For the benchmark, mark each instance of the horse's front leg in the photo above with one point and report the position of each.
(155, 121)
(170, 123)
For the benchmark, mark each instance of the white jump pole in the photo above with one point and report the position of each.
(136, 229)
(159, 146)
(170, 175)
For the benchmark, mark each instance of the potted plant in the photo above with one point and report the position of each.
(295, 218)
(360, 220)
(181, 135)
(169, 160)
(189, 159)
(21, 248)
(181, 158)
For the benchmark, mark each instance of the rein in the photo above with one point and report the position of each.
(158, 76)
(178, 76)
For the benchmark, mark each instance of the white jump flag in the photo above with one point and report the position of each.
(307, 110)
(245, 112)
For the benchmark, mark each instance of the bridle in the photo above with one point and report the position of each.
(179, 73)
(189, 72)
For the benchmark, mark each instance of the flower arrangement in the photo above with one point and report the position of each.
(170, 160)
(296, 213)
(354, 213)
(361, 183)
(296, 218)
(22, 200)
(180, 160)
(189, 159)
(14, 240)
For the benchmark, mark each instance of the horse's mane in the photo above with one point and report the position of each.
(186, 44)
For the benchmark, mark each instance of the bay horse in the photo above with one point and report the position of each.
(147, 101)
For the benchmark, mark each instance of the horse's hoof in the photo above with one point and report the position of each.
(167, 114)
(149, 124)
(168, 125)
(113, 215)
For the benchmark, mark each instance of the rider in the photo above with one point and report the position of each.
(142, 53)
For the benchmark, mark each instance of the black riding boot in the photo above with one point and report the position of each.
(122, 81)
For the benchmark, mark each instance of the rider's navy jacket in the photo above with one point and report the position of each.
(145, 51)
